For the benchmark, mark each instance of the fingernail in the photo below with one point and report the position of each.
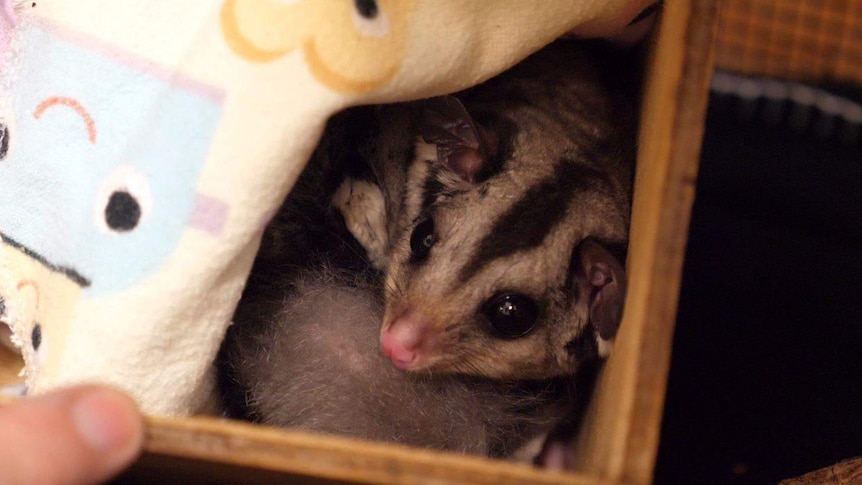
(106, 420)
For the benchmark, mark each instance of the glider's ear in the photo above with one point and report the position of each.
(446, 124)
(602, 283)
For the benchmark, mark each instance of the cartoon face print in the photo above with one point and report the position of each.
(101, 156)
(353, 46)
(44, 302)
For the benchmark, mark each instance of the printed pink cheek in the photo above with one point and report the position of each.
(7, 14)
(209, 215)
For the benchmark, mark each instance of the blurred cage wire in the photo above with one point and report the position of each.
(793, 61)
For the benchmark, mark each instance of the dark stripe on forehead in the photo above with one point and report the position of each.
(529, 221)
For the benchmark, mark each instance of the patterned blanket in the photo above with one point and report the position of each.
(144, 146)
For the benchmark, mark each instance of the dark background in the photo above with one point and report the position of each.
(766, 374)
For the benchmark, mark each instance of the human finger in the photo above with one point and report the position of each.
(74, 436)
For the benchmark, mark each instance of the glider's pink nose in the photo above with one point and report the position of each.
(401, 356)
(402, 341)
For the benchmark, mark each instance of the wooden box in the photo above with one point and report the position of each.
(619, 440)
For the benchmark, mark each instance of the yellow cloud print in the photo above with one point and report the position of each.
(352, 46)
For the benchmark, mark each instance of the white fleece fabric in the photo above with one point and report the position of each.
(146, 144)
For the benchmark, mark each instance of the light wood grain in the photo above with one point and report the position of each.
(619, 440)
(274, 453)
(847, 472)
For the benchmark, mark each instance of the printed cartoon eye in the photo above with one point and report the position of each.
(422, 240)
(4, 141)
(369, 20)
(36, 337)
(124, 201)
(37, 343)
(511, 315)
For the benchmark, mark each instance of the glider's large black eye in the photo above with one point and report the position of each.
(422, 240)
(123, 211)
(511, 315)
(367, 8)
(4, 141)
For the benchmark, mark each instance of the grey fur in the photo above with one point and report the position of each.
(314, 365)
